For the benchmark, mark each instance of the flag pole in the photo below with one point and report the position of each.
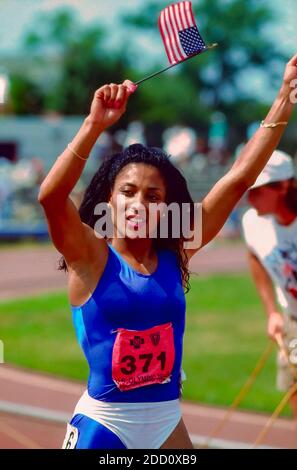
(211, 46)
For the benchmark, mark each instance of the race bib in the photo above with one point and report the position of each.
(142, 358)
(70, 438)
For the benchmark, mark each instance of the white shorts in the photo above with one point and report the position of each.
(137, 425)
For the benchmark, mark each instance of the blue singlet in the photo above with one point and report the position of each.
(125, 298)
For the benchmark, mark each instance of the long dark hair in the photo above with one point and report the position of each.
(101, 185)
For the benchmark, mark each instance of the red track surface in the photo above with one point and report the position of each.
(30, 271)
(55, 399)
(24, 394)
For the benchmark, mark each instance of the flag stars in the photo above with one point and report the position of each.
(191, 40)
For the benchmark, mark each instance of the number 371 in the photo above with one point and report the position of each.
(131, 362)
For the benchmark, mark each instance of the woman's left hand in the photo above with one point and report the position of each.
(290, 74)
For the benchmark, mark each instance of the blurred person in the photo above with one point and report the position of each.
(201, 146)
(26, 176)
(134, 134)
(6, 188)
(103, 147)
(127, 293)
(270, 232)
(233, 226)
(38, 170)
(199, 157)
(251, 129)
(218, 130)
(180, 143)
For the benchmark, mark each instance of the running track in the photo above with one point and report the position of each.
(35, 407)
(31, 271)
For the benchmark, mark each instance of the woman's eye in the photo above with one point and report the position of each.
(154, 198)
(127, 192)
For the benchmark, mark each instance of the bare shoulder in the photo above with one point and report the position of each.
(84, 274)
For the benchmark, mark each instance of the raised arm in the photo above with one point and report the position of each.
(72, 238)
(222, 198)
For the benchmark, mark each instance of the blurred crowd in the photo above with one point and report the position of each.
(202, 160)
(19, 185)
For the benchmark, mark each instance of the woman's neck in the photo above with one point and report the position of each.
(139, 248)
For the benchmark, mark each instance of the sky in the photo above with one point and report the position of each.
(13, 27)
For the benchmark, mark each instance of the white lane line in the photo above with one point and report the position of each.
(34, 412)
(27, 378)
(237, 417)
(57, 385)
(63, 418)
(199, 441)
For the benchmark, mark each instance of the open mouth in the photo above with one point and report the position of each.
(135, 222)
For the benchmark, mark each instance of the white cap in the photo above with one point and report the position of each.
(279, 168)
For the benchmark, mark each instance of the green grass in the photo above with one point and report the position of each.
(23, 243)
(38, 333)
(225, 336)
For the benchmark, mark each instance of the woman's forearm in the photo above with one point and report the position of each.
(258, 150)
(263, 284)
(68, 168)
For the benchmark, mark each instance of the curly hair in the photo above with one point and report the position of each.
(101, 186)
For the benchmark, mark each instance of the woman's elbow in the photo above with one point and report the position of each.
(51, 197)
(45, 196)
(241, 181)
(41, 195)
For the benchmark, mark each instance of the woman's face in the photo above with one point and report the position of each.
(265, 199)
(138, 188)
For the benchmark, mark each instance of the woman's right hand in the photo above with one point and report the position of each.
(109, 103)
(275, 325)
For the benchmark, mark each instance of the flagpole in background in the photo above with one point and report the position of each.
(211, 46)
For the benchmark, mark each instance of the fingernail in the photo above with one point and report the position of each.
(132, 87)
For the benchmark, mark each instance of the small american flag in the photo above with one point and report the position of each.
(179, 32)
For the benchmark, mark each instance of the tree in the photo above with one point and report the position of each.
(26, 97)
(75, 61)
(217, 75)
(78, 53)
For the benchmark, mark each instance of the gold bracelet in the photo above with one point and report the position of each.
(76, 154)
(273, 124)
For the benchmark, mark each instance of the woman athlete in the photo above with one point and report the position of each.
(127, 293)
